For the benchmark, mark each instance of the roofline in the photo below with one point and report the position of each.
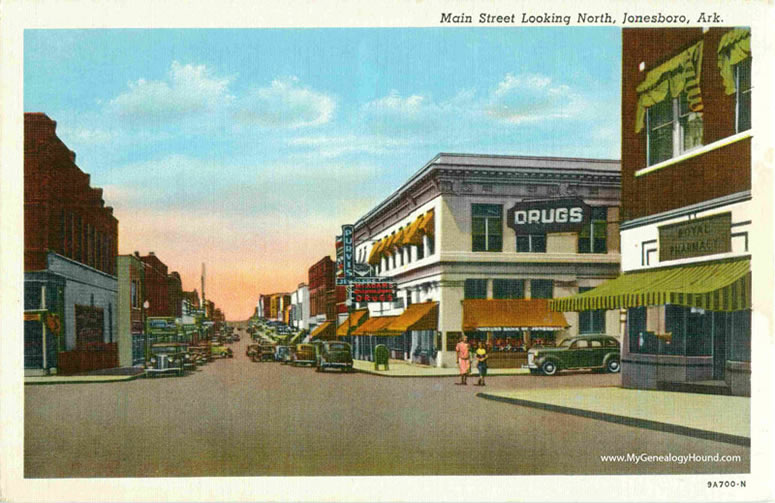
(419, 174)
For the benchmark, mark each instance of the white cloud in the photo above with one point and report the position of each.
(394, 103)
(187, 90)
(529, 98)
(85, 136)
(286, 104)
(335, 146)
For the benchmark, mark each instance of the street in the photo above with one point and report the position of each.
(238, 418)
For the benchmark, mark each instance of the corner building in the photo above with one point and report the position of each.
(477, 244)
(686, 211)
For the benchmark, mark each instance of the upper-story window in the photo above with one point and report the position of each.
(743, 95)
(531, 243)
(487, 227)
(670, 106)
(734, 63)
(593, 235)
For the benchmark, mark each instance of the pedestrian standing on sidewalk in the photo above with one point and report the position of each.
(481, 364)
(463, 361)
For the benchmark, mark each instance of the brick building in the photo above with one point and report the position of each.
(70, 243)
(156, 286)
(322, 296)
(175, 294)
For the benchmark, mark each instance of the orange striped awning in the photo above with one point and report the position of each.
(424, 316)
(493, 315)
(376, 252)
(325, 332)
(352, 322)
(376, 326)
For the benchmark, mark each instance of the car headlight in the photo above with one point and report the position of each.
(188, 357)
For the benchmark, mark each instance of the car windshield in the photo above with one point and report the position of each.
(166, 349)
(337, 347)
(564, 344)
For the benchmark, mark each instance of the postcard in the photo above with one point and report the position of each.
(395, 251)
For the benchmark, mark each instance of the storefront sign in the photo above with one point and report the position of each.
(347, 244)
(383, 291)
(696, 238)
(554, 215)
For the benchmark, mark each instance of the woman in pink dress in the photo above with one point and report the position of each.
(463, 360)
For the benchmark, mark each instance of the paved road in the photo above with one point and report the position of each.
(238, 418)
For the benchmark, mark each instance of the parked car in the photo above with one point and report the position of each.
(282, 354)
(251, 350)
(584, 351)
(264, 353)
(166, 358)
(220, 351)
(335, 354)
(304, 354)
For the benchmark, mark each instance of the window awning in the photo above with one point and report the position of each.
(375, 326)
(352, 322)
(670, 79)
(376, 252)
(734, 47)
(716, 286)
(424, 316)
(427, 226)
(325, 332)
(494, 315)
(412, 236)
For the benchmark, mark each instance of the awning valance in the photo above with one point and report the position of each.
(669, 80)
(352, 322)
(375, 326)
(734, 47)
(716, 286)
(325, 332)
(494, 315)
(424, 316)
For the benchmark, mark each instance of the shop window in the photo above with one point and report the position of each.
(135, 298)
(531, 243)
(508, 289)
(672, 129)
(636, 330)
(743, 95)
(593, 236)
(591, 322)
(739, 330)
(541, 288)
(475, 289)
(487, 227)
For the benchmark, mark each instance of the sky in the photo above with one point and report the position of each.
(248, 149)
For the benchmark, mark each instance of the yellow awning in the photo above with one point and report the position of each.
(427, 227)
(492, 315)
(716, 286)
(376, 252)
(424, 316)
(352, 322)
(325, 332)
(412, 235)
(375, 326)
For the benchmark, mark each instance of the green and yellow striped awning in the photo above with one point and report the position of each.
(716, 286)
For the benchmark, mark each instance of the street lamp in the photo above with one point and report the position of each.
(146, 305)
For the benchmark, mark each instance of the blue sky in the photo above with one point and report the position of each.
(212, 144)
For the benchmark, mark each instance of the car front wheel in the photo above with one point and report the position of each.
(613, 366)
(549, 368)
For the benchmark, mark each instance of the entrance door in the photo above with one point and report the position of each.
(719, 344)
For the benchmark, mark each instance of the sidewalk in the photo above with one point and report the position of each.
(711, 417)
(399, 368)
(106, 375)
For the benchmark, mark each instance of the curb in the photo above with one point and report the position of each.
(627, 421)
(383, 374)
(77, 380)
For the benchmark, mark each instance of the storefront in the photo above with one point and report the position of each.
(324, 332)
(685, 324)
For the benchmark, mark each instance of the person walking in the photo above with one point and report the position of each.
(463, 360)
(481, 364)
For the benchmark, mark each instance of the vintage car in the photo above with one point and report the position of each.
(335, 354)
(168, 358)
(304, 354)
(282, 354)
(265, 353)
(251, 350)
(220, 351)
(581, 352)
